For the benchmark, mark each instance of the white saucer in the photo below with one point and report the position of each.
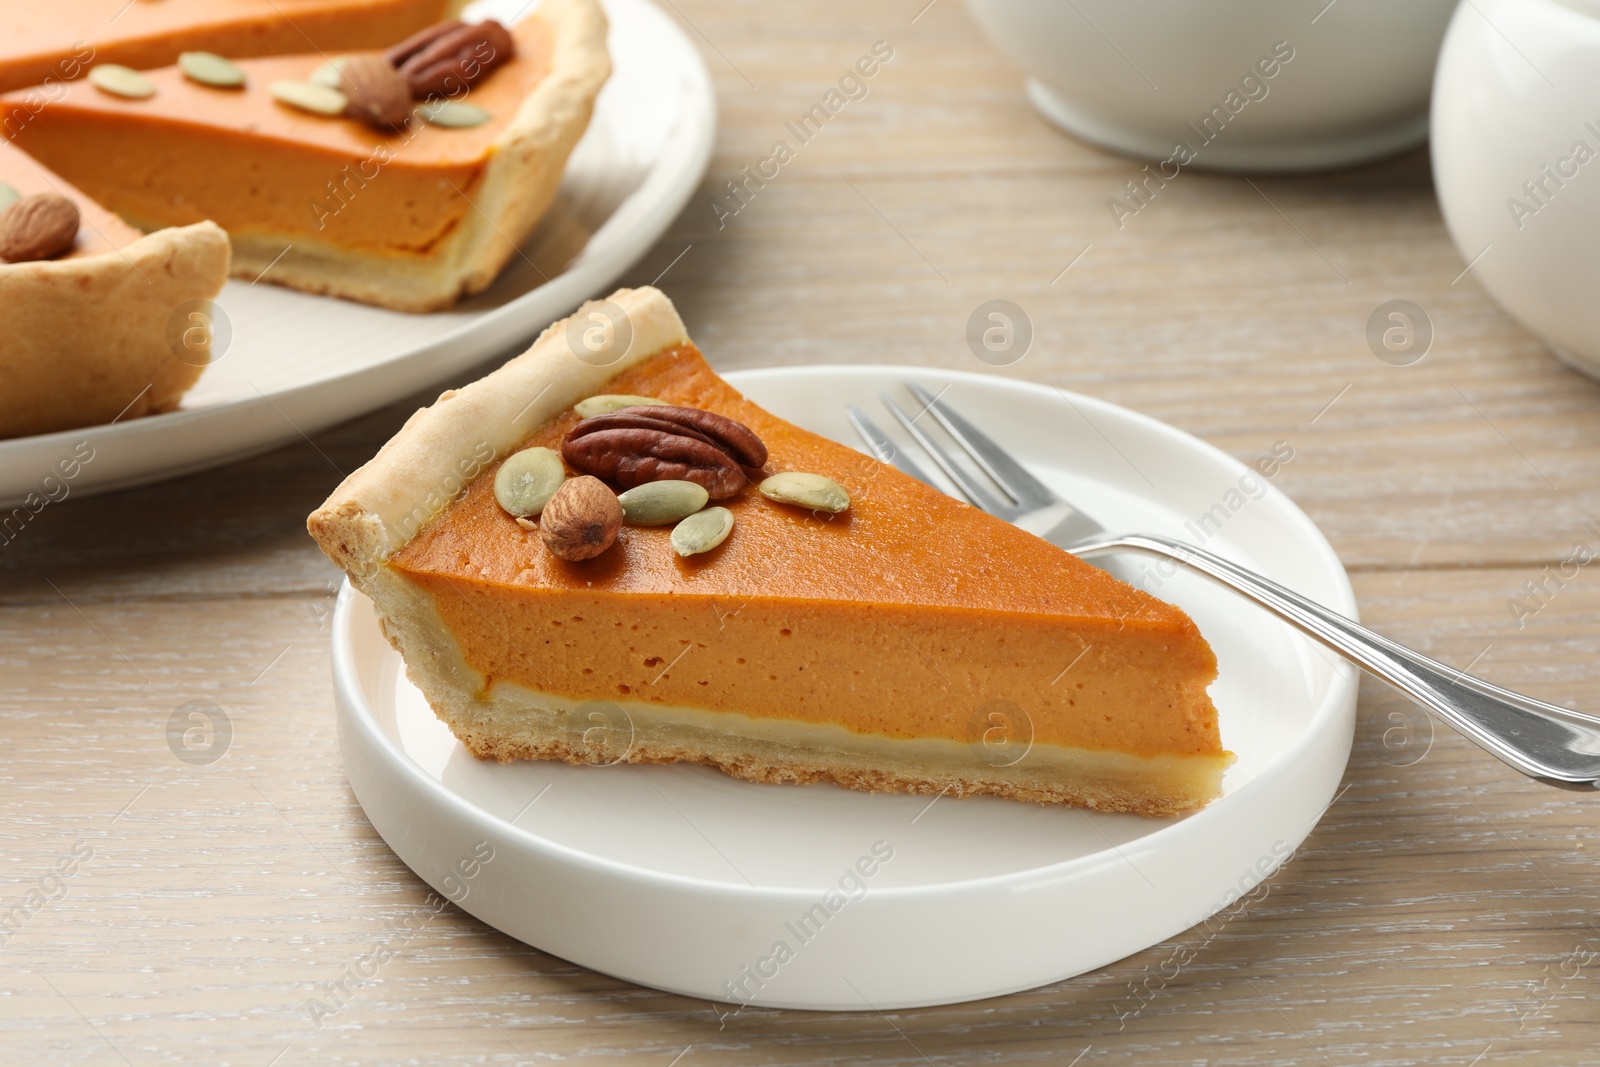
(681, 878)
(297, 363)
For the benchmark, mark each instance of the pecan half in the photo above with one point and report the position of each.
(456, 59)
(419, 40)
(631, 456)
(636, 419)
(735, 438)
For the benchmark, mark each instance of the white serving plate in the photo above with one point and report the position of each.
(297, 363)
(677, 877)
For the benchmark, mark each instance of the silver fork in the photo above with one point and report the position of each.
(1544, 741)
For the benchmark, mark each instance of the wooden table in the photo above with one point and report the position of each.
(1443, 912)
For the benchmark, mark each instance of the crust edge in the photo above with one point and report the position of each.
(441, 448)
(86, 338)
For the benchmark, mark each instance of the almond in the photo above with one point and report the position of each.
(41, 226)
(581, 520)
(378, 95)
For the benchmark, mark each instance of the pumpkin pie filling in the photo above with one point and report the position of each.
(890, 620)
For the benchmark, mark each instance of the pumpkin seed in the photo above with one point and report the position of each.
(309, 96)
(208, 68)
(8, 196)
(122, 81)
(702, 531)
(454, 114)
(606, 403)
(527, 480)
(330, 74)
(658, 503)
(806, 490)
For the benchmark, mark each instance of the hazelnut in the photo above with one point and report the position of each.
(581, 520)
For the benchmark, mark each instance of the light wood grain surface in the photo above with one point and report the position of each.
(1444, 911)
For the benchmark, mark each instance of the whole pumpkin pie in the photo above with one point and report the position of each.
(108, 323)
(907, 642)
(54, 42)
(411, 217)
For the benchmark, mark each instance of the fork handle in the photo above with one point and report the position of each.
(1553, 744)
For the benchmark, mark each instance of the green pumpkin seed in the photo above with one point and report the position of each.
(806, 490)
(658, 503)
(527, 480)
(454, 114)
(122, 81)
(208, 68)
(8, 196)
(309, 96)
(606, 403)
(329, 74)
(702, 531)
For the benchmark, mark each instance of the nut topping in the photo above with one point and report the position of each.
(41, 226)
(450, 58)
(659, 503)
(606, 403)
(654, 442)
(581, 520)
(398, 54)
(315, 97)
(527, 480)
(702, 531)
(208, 68)
(375, 91)
(734, 438)
(807, 491)
(118, 80)
(632, 457)
(629, 419)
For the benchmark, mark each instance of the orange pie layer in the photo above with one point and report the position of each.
(58, 41)
(911, 616)
(259, 168)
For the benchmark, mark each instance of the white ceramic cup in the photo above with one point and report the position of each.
(1144, 76)
(1516, 161)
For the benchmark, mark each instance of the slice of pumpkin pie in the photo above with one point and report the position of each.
(97, 320)
(602, 552)
(405, 179)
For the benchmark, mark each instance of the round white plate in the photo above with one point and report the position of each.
(681, 878)
(298, 363)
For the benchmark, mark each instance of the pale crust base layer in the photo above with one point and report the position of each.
(516, 723)
(519, 182)
(85, 340)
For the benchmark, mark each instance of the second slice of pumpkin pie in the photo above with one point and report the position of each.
(410, 218)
